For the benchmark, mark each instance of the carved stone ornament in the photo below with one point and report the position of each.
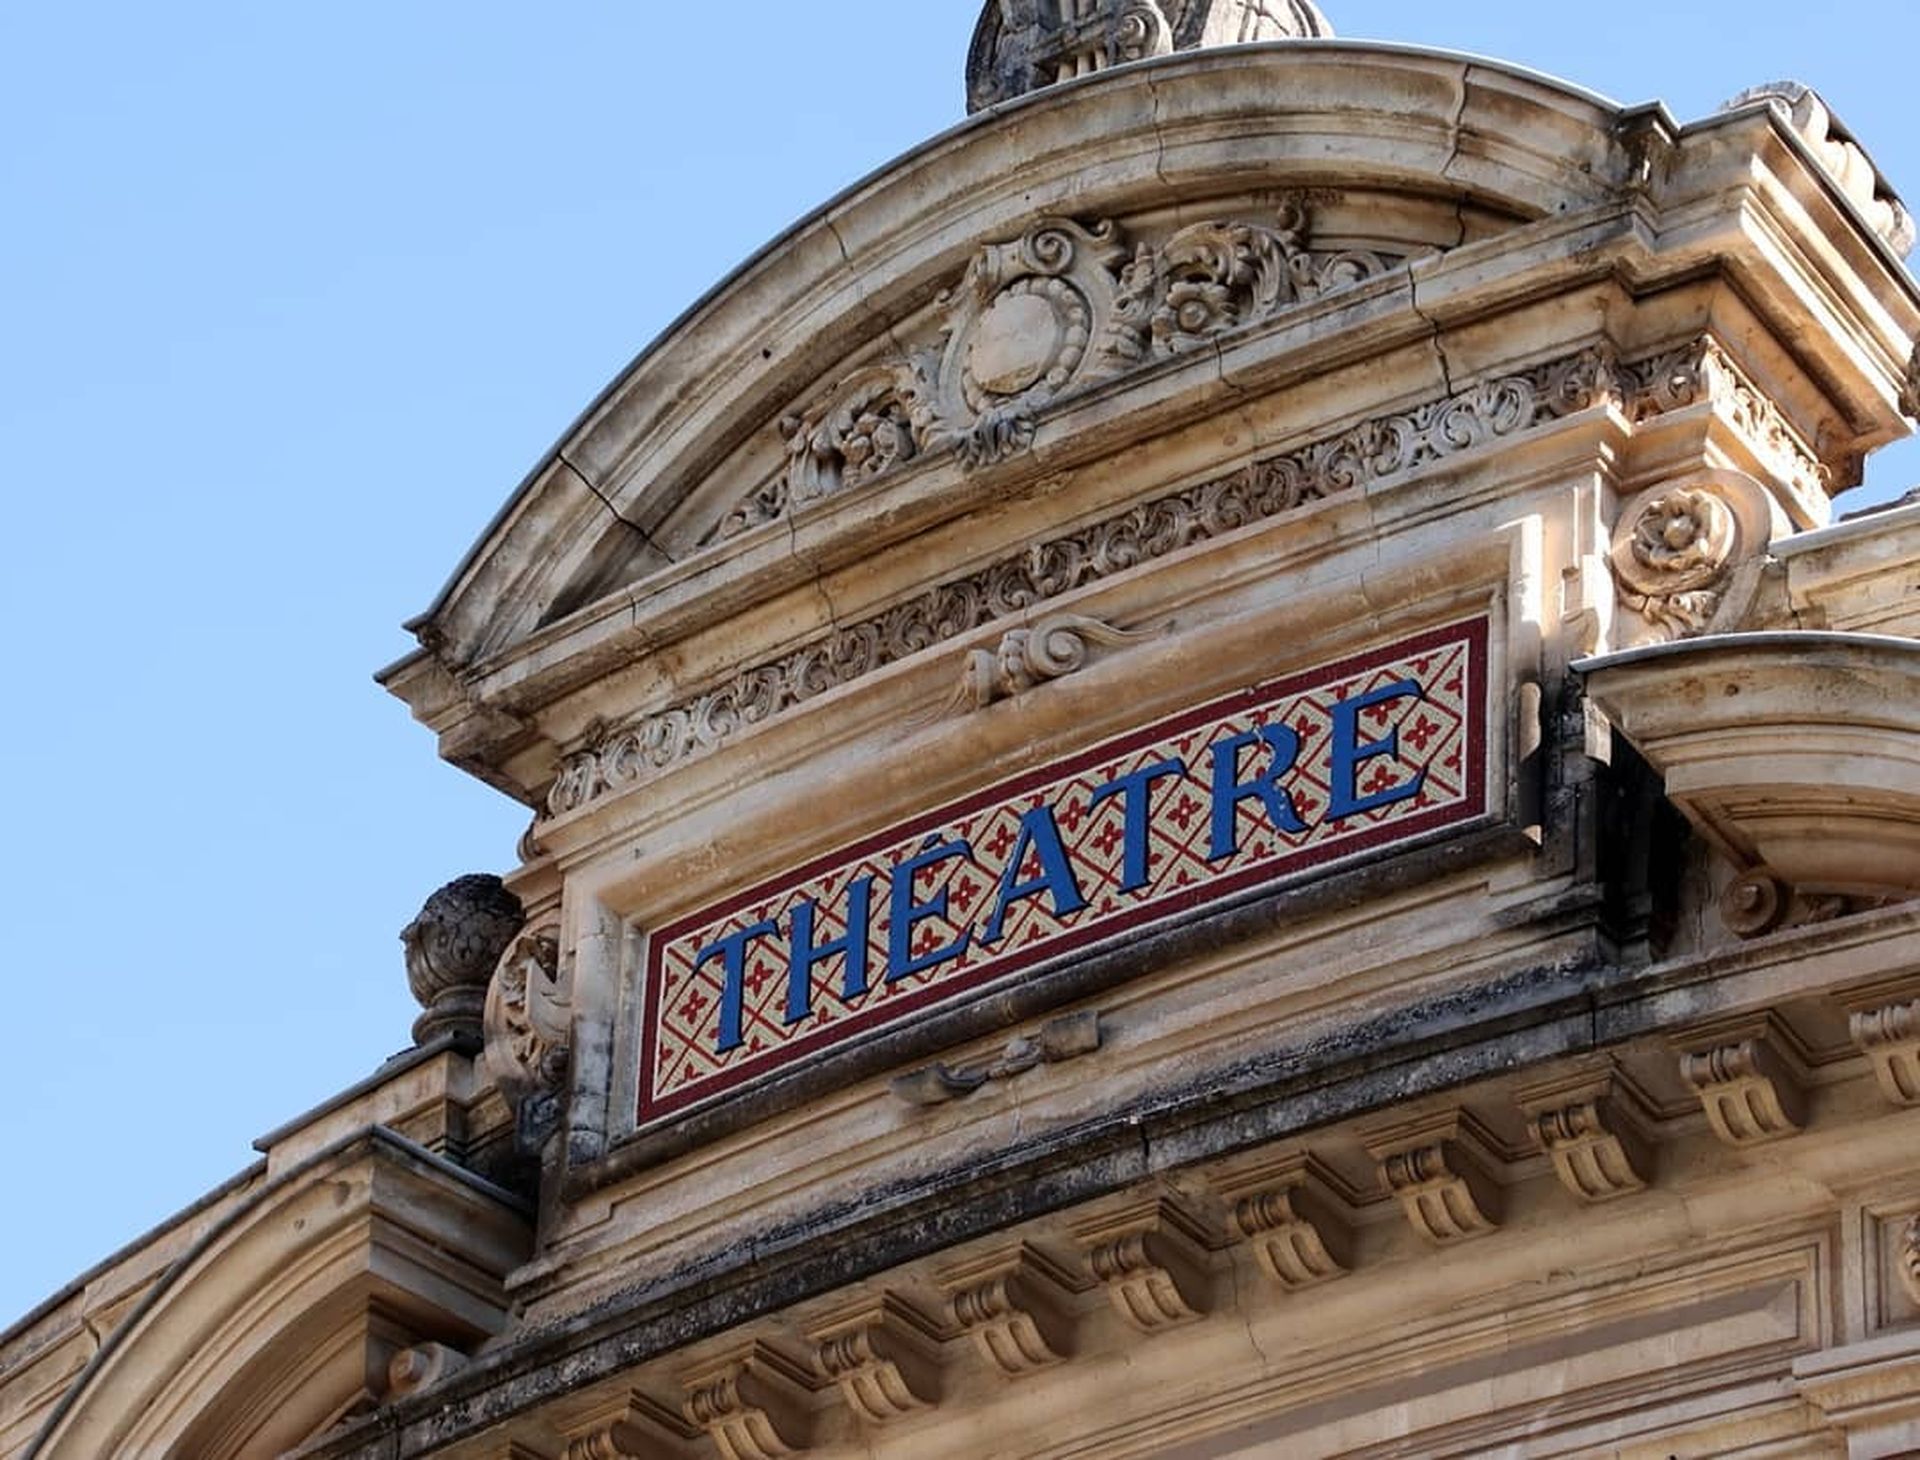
(1702, 373)
(529, 1029)
(1910, 390)
(1052, 649)
(1840, 156)
(1286, 1214)
(1020, 46)
(1059, 1040)
(753, 1403)
(1152, 1263)
(1889, 1035)
(1750, 1092)
(1595, 1137)
(1433, 1166)
(1037, 318)
(610, 759)
(1686, 555)
(1758, 902)
(885, 1357)
(452, 947)
(628, 1426)
(1016, 1306)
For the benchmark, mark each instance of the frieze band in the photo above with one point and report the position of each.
(617, 757)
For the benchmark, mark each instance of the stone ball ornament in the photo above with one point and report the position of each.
(452, 948)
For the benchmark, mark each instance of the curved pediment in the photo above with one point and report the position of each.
(1376, 156)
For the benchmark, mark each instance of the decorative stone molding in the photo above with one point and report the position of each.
(884, 1354)
(1840, 156)
(1910, 389)
(1039, 318)
(413, 1369)
(1888, 1033)
(1439, 1168)
(1687, 555)
(1750, 1090)
(612, 759)
(529, 1028)
(1286, 1212)
(1058, 1040)
(623, 1427)
(1052, 649)
(1020, 46)
(452, 947)
(1594, 1134)
(1701, 372)
(753, 1402)
(1015, 1303)
(1151, 1259)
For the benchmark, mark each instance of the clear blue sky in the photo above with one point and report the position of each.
(291, 295)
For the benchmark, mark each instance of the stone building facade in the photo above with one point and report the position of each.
(1210, 779)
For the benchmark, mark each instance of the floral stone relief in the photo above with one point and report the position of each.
(1037, 319)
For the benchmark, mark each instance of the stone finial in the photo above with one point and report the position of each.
(452, 947)
(1842, 158)
(1022, 45)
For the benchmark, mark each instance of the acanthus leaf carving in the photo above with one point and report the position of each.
(610, 759)
(1035, 319)
(1025, 658)
(528, 1023)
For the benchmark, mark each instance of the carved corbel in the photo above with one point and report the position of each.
(1687, 555)
(1886, 1026)
(1594, 1131)
(753, 1402)
(1910, 389)
(884, 1354)
(1750, 1089)
(1058, 1040)
(1052, 649)
(1758, 902)
(1285, 1210)
(627, 1426)
(529, 1028)
(1439, 1168)
(1151, 1259)
(1016, 1304)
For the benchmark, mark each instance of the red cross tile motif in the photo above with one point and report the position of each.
(1262, 785)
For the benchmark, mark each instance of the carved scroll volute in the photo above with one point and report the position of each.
(529, 1029)
(1016, 1304)
(1687, 557)
(1024, 327)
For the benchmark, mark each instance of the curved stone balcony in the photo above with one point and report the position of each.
(1796, 754)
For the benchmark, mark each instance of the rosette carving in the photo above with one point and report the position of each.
(529, 1030)
(1686, 555)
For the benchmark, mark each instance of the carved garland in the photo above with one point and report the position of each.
(1042, 317)
(614, 758)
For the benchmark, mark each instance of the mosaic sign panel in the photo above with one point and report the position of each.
(1145, 828)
